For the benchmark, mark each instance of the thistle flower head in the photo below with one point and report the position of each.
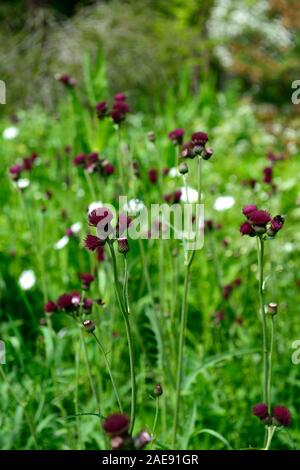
(247, 210)
(98, 215)
(260, 410)
(92, 242)
(176, 136)
(102, 109)
(16, 171)
(153, 175)
(247, 229)
(268, 174)
(69, 301)
(199, 138)
(260, 218)
(87, 279)
(50, 307)
(67, 80)
(116, 425)
(282, 415)
(80, 160)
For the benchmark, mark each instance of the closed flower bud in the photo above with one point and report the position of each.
(272, 308)
(123, 245)
(207, 153)
(183, 168)
(158, 391)
(89, 326)
(142, 439)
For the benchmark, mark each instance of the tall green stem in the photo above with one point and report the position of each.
(184, 307)
(184, 311)
(125, 314)
(260, 252)
(109, 372)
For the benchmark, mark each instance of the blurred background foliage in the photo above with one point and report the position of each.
(148, 45)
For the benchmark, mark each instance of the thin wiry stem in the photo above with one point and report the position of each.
(128, 333)
(109, 372)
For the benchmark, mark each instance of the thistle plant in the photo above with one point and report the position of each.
(196, 148)
(263, 227)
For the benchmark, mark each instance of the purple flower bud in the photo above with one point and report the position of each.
(176, 136)
(116, 425)
(89, 326)
(260, 410)
(282, 415)
(123, 245)
(247, 210)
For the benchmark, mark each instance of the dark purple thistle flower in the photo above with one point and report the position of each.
(92, 242)
(69, 232)
(50, 307)
(87, 279)
(120, 97)
(67, 80)
(247, 210)
(199, 138)
(16, 171)
(247, 229)
(123, 223)
(260, 218)
(153, 175)
(102, 109)
(282, 415)
(176, 136)
(260, 410)
(116, 425)
(80, 160)
(268, 174)
(69, 301)
(98, 215)
(173, 198)
(93, 157)
(276, 223)
(121, 106)
(187, 150)
(27, 163)
(107, 168)
(117, 116)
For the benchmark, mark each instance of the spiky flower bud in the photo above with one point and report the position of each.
(123, 245)
(89, 326)
(158, 391)
(183, 168)
(272, 308)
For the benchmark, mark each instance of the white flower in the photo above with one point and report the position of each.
(173, 172)
(223, 203)
(189, 195)
(61, 243)
(133, 206)
(23, 183)
(10, 133)
(76, 227)
(27, 279)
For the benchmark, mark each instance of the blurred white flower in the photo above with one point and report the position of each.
(61, 243)
(173, 172)
(223, 203)
(23, 183)
(189, 195)
(27, 279)
(94, 205)
(76, 227)
(133, 206)
(10, 133)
